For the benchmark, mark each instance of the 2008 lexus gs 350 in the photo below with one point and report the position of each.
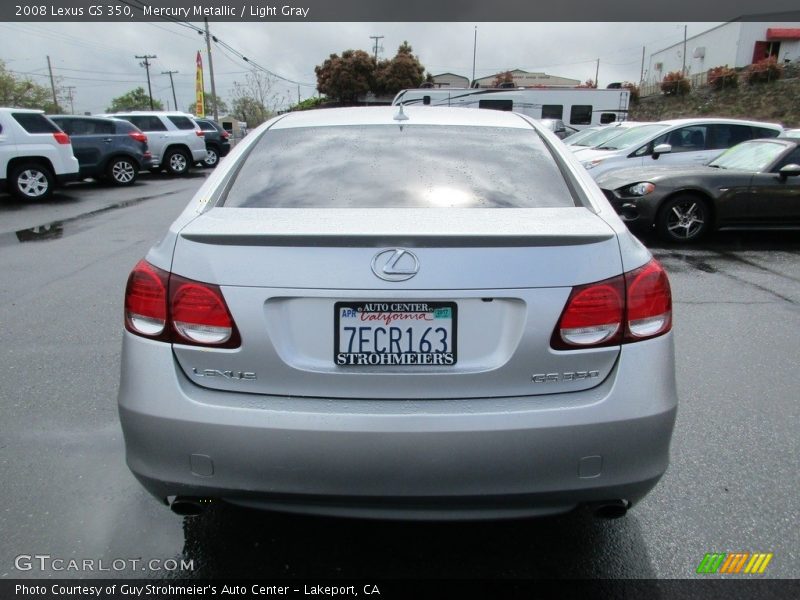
(421, 313)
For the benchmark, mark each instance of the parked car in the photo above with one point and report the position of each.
(602, 135)
(754, 185)
(674, 142)
(582, 134)
(175, 140)
(364, 312)
(109, 149)
(35, 155)
(558, 127)
(217, 141)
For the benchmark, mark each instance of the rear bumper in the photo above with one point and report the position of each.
(442, 459)
(199, 154)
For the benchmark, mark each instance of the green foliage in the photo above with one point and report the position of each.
(723, 77)
(308, 104)
(675, 84)
(222, 107)
(764, 71)
(136, 99)
(22, 92)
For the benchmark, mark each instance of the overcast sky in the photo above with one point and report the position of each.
(98, 58)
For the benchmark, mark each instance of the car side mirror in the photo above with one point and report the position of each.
(661, 149)
(791, 170)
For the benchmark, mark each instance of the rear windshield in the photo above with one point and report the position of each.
(181, 122)
(382, 166)
(35, 123)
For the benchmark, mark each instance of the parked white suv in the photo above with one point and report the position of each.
(675, 142)
(35, 155)
(175, 140)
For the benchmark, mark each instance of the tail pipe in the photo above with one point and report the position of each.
(611, 509)
(189, 506)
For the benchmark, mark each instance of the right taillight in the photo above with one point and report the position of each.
(628, 308)
(138, 136)
(166, 307)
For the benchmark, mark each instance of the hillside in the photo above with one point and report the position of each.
(777, 102)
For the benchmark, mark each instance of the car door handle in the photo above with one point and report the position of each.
(107, 140)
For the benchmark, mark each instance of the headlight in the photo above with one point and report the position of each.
(640, 189)
(591, 164)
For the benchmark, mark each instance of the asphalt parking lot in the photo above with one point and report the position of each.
(732, 484)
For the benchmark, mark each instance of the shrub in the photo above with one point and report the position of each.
(763, 71)
(633, 89)
(722, 77)
(675, 84)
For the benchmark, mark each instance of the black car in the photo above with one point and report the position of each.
(217, 141)
(753, 185)
(106, 148)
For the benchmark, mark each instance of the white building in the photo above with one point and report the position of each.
(736, 44)
(526, 79)
(450, 80)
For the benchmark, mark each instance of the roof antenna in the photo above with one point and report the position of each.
(400, 116)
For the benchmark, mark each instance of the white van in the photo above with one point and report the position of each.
(675, 142)
(577, 107)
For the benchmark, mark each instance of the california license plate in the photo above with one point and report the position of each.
(394, 333)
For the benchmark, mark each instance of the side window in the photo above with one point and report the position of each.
(147, 123)
(64, 124)
(724, 136)
(181, 122)
(606, 118)
(100, 127)
(763, 132)
(793, 158)
(552, 111)
(580, 114)
(77, 127)
(497, 104)
(35, 123)
(688, 139)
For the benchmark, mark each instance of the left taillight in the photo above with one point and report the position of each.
(61, 137)
(170, 308)
(138, 136)
(200, 132)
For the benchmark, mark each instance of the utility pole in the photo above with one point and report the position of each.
(69, 89)
(211, 71)
(376, 38)
(596, 72)
(474, 53)
(683, 72)
(641, 73)
(53, 85)
(146, 65)
(172, 83)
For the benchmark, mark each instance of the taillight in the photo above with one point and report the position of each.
(170, 308)
(146, 301)
(200, 132)
(225, 135)
(138, 136)
(199, 314)
(61, 137)
(624, 309)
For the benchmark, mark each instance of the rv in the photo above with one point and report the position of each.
(577, 107)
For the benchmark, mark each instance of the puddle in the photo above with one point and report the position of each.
(56, 229)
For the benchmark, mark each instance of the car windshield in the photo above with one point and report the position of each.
(749, 156)
(571, 140)
(598, 138)
(411, 166)
(631, 137)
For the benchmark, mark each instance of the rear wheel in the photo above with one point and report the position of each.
(31, 181)
(212, 157)
(176, 162)
(683, 219)
(122, 171)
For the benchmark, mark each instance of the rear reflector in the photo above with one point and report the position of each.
(170, 308)
(61, 137)
(624, 309)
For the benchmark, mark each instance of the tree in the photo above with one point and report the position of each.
(136, 99)
(253, 99)
(222, 107)
(675, 84)
(589, 83)
(21, 92)
(502, 78)
(401, 72)
(346, 77)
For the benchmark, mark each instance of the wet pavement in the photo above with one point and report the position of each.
(66, 492)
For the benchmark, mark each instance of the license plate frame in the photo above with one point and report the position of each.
(383, 310)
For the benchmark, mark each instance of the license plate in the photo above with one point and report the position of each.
(394, 333)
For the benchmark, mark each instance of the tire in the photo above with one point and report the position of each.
(31, 181)
(683, 219)
(212, 157)
(122, 171)
(177, 162)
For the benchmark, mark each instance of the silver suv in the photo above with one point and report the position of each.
(35, 155)
(175, 140)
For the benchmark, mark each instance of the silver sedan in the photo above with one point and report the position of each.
(425, 313)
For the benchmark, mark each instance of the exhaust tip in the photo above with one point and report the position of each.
(614, 509)
(188, 506)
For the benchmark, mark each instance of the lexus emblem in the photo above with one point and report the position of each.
(395, 265)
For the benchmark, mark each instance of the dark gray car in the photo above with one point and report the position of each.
(217, 141)
(110, 149)
(753, 185)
